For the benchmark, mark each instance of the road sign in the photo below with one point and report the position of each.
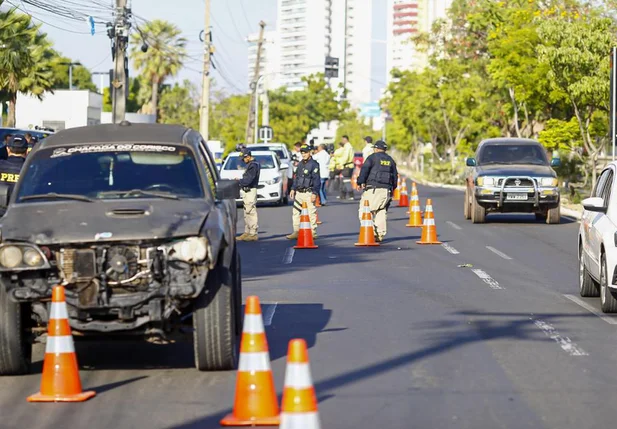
(266, 133)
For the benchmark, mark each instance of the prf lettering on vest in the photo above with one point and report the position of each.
(385, 162)
(9, 177)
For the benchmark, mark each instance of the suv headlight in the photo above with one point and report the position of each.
(273, 181)
(193, 249)
(21, 257)
(486, 181)
(548, 182)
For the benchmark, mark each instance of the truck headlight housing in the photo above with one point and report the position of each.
(193, 249)
(21, 257)
(485, 181)
(548, 182)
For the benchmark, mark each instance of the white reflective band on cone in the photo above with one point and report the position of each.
(305, 225)
(429, 208)
(429, 222)
(58, 311)
(298, 376)
(259, 361)
(366, 223)
(304, 212)
(253, 324)
(414, 198)
(300, 421)
(62, 344)
(415, 208)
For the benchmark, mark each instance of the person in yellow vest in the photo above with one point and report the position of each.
(348, 167)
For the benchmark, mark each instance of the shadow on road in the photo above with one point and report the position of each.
(452, 335)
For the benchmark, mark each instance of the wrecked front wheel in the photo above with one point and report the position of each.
(214, 323)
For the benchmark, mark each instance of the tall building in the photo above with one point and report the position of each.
(270, 58)
(407, 18)
(310, 30)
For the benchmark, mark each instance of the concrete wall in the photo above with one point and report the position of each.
(60, 110)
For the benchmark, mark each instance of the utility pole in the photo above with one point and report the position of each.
(119, 33)
(205, 79)
(254, 86)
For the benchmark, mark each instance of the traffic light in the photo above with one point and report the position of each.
(331, 67)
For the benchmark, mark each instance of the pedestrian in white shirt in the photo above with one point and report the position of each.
(323, 158)
(368, 149)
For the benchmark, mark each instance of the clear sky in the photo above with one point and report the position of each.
(232, 21)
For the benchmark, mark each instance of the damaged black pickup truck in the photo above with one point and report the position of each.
(135, 222)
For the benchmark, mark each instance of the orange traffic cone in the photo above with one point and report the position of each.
(367, 229)
(60, 382)
(299, 405)
(305, 236)
(318, 202)
(255, 403)
(429, 230)
(404, 199)
(415, 217)
(396, 195)
(317, 221)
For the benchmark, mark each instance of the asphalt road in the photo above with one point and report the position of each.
(400, 336)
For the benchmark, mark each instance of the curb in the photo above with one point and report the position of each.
(576, 214)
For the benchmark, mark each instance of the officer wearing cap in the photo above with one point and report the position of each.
(248, 192)
(11, 167)
(378, 178)
(305, 189)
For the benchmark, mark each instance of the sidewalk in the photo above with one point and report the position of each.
(570, 210)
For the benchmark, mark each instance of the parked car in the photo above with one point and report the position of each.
(597, 242)
(512, 175)
(358, 159)
(272, 176)
(283, 153)
(135, 222)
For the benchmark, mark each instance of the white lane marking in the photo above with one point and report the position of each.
(576, 300)
(268, 313)
(498, 253)
(487, 279)
(564, 342)
(453, 225)
(450, 249)
(289, 255)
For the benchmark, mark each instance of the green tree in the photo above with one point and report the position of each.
(228, 120)
(180, 105)
(133, 103)
(82, 78)
(356, 129)
(22, 60)
(575, 47)
(165, 55)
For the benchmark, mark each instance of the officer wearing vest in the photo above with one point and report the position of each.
(11, 167)
(248, 192)
(378, 178)
(305, 189)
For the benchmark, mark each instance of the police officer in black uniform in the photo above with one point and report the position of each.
(248, 192)
(305, 189)
(378, 178)
(10, 168)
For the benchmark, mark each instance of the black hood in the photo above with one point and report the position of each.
(72, 222)
(516, 170)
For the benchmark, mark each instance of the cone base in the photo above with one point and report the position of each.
(429, 242)
(367, 244)
(231, 420)
(413, 226)
(319, 223)
(306, 247)
(78, 397)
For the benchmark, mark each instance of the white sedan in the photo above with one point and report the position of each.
(597, 242)
(272, 176)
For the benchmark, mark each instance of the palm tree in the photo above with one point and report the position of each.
(17, 35)
(40, 77)
(165, 55)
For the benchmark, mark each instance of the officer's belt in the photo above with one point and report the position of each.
(303, 190)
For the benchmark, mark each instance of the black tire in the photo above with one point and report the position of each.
(554, 216)
(467, 207)
(15, 336)
(607, 297)
(588, 288)
(214, 322)
(236, 267)
(478, 213)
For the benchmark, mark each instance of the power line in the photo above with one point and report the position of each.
(25, 11)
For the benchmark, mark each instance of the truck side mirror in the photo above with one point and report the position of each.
(471, 162)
